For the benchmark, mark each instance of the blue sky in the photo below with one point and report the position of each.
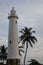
(30, 14)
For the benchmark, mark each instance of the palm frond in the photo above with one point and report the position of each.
(21, 50)
(34, 38)
(21, 32)
(30, 43)
(20, 53)
(18, 42)
(33, 41)
(21, 37)
(33, 31)
(20, 46)
(29, 29)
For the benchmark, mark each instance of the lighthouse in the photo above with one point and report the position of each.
(13, 50)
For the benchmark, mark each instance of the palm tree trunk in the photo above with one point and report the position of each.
(25, 54)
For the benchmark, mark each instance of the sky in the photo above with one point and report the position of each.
(30, 13)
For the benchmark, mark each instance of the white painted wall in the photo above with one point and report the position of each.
(13, 50)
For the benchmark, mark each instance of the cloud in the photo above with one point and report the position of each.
(3, 29)
(3, 41)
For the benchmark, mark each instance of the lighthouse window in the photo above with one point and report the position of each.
(16, 21)
(10, 41)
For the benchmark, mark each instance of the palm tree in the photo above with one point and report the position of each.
(34, 62)
(27, 37)
(21, 50)
(3, 53)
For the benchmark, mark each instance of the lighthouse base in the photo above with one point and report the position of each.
(13, 62)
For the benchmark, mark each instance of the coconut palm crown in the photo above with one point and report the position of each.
(3, 55)
(26, 36)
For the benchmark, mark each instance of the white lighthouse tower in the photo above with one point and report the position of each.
(13, 51)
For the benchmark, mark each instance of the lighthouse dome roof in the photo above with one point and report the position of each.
(13, 13)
